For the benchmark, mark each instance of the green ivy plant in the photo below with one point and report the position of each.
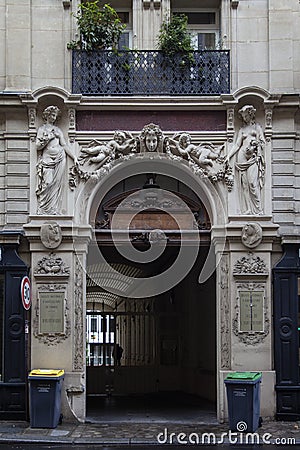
(174, 39)
(100, 27)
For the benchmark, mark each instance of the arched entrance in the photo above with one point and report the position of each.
(153, 348)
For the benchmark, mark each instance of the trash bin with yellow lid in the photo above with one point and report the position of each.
(45, 397)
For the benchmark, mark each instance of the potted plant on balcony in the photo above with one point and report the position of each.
(99, 28)
(95, 53)
(174, 39)
(175, 43)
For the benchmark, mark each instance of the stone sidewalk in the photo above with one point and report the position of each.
(146, 434)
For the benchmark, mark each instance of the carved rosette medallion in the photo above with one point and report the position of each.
(51, 337)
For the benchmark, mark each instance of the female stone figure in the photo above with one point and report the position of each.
(250, 161)
(51, 163)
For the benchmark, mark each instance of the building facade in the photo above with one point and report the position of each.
(154, 207)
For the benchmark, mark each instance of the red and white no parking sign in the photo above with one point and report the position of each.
(26, 293)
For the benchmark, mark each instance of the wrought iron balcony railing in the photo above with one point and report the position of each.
(135, 72)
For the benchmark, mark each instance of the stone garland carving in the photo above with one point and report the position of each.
(250, 265)
(51, 235)
(51, 145)
(204, 159)
(249, 148)
(51, 338)
(251, 337)
(51, 265)
(78, 328)
(224, 313)
(251, 235)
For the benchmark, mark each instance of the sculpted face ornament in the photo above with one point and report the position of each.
(151, 141)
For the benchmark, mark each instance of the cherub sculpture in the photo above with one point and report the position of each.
(123, 143)
(203, 154)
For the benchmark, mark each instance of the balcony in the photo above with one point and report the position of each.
(150, 73)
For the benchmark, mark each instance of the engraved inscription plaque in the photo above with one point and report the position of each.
(251, 311)
(52, 312)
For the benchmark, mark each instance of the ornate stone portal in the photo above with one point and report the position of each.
(59, 279)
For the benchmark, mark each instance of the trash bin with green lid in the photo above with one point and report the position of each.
(45, 397)
(243, 398)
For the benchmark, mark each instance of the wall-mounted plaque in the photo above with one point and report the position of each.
(52, 312)
(251, 310)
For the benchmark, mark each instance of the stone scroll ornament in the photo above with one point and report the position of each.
(249, 149)
(98, 158)
(52, 150)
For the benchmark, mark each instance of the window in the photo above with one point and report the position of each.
(94, 325)
(2, 298)
(203, 26)
(125, 41)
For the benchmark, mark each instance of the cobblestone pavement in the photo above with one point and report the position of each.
(144, 433)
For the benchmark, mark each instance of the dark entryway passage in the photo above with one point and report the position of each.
(162, 407)
(167, 371)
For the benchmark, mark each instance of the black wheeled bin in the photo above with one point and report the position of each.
(45, 397)
(243, 398)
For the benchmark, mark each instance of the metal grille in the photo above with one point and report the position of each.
(150, 73)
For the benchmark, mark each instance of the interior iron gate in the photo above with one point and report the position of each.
(120, 352)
